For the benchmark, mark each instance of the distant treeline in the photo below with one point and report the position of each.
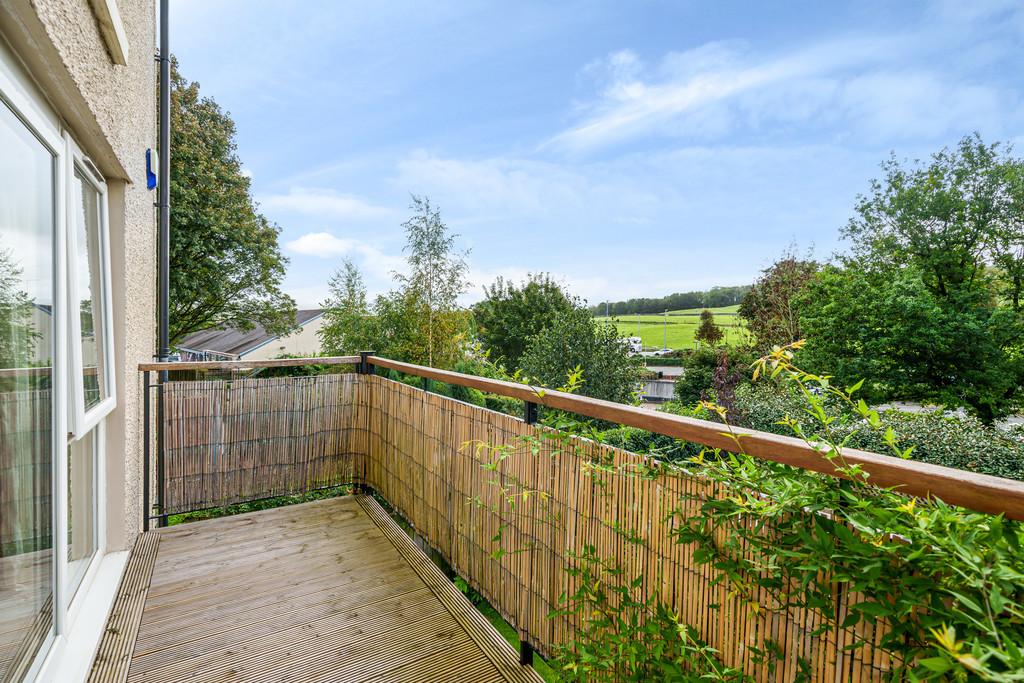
(713, 298)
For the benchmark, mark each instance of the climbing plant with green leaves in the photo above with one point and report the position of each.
(948, 583)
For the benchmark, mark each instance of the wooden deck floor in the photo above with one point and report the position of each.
(325, 591)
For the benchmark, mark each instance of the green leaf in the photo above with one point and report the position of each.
(939, 665)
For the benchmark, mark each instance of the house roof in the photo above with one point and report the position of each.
(238, 342)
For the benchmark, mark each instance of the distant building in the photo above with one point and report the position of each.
(255, 344)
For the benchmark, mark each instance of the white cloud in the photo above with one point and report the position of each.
(877, 87)
(324, 203)
(324, 245)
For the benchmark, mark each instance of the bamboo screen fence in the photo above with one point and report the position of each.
(227, 442)
(240, 440)
(418, 461)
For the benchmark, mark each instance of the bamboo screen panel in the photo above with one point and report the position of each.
(228, 442)
(418, 461)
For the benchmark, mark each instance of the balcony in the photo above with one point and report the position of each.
(324, 591)
(337, 590)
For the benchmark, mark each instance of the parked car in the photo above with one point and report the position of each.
(664, 352)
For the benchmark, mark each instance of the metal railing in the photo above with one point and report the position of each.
(226, 441)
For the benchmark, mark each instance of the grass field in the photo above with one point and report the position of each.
(679, 327)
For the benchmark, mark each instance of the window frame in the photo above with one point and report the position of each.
(82, 420)
(30, 109)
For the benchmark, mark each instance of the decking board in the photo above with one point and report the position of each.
(323, 591)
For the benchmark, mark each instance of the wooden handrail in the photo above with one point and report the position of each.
(247, 364)
(971, 490)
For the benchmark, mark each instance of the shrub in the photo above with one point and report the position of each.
(713, 372)
(468, 395)
(698, 375)
(504, 404)
(961, 442)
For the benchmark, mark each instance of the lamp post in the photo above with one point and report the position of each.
(665, 344)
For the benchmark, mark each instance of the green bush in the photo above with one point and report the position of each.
(648, 443)
(961, 442)
(504, 404)
(468, 395)
(698, 376)
(713, 373)
(672, 361)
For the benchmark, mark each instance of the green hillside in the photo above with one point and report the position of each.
(676, 329)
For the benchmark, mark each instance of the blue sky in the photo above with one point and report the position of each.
(630, 148)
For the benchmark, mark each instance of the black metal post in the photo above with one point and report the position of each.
(428, 384)
(145, 451)
(365, 368)
(530, 412)
(162, 519)
(525, 652)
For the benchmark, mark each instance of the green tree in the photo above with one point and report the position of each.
(348, 327)
(909, 341)
(768, 307)
(931, 291)
(226, 265)
(575, 339)
(708, 332)
(511, 314)
(942, 217)
(436, 278)
(397, 329)
(1008, 246)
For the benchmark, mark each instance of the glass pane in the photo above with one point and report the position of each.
(85, 209)
(26, 340)
(82, 537)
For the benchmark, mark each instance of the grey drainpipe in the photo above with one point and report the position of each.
(164, 183)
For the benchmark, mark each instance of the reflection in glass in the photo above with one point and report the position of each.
(82, 512)
(86, 212)
(26, 340)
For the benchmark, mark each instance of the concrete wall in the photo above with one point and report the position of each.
(305, 342)
(659, 389)
(111, 111)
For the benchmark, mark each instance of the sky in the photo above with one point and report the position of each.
(627, 148)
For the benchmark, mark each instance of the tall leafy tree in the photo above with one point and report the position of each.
(909, 342)
(226, 265)
(419, 321)
(348, 327)
(511, 314)
(575, 339)
(768, 307)
(928, 305)
(436, 278)
(1008, 245)
(942, 217)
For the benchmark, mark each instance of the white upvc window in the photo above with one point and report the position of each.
(57, 381)
(90, 323)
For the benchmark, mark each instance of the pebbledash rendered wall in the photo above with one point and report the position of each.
(110, 110)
